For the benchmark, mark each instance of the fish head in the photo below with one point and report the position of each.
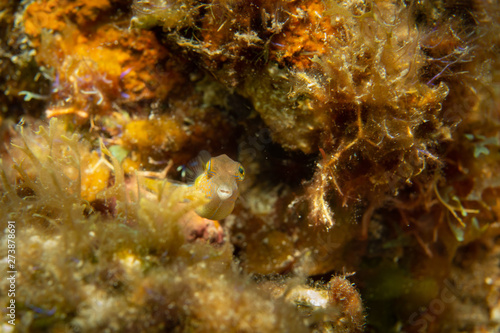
(219, 183)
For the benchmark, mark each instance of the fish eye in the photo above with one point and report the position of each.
(241, 171)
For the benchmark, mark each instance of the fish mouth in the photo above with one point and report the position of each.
(224, 192)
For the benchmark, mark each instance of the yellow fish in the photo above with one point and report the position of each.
(216, 178)
(219, 183)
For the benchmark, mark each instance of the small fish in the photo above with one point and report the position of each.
(219, 183)
(216, 178)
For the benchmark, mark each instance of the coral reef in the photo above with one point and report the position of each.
(368, 130)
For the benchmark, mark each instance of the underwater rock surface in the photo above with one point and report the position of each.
(368, 130)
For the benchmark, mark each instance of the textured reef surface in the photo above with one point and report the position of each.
(370, 136)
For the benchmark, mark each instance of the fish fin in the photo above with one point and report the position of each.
(196, 167)
(204, 156)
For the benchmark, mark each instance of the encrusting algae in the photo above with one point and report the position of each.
(369, 131)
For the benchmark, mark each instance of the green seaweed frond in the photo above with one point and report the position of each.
(481, 143)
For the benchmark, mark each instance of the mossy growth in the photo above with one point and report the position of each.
(116, 260)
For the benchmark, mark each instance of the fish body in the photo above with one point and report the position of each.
(219, 183)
